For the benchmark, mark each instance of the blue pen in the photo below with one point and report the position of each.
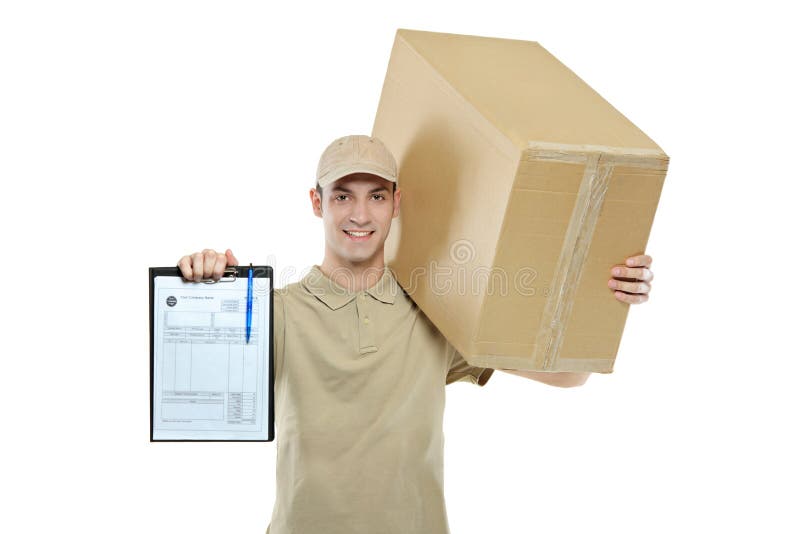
(249, 302)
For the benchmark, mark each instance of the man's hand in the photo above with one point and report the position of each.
(631, 282)
(205, 265)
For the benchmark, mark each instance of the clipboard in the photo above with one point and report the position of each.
(195, 336)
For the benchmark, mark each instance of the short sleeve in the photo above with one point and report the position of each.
(460, 370)
(278, 331)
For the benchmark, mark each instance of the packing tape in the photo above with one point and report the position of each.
(600, 163)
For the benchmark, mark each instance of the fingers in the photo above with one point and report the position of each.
(219, 266)
(185, 265)
(209, 261)
(632, 282)
(630, 287)
(637, 273)
(197, 267)
(630, 299)
(206, 265)
(232, 261)
(642, 260)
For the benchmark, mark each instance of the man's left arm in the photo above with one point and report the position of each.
(631, 284)
(560, 379)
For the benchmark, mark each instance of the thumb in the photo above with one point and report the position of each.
(232, 261)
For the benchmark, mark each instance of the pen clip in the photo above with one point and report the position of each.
(229, 275)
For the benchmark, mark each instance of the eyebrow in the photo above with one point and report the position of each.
(376, 190)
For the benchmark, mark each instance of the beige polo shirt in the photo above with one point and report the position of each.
(359, 404)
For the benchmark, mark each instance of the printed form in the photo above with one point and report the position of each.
(208, 384)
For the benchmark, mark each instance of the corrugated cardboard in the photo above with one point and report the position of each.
(522, 187)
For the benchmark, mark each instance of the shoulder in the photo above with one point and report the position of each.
(293, 297)
(289, 291)
(283, 295)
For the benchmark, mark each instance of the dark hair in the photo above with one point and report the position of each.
(319, 189)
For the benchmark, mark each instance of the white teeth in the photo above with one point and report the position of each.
(358, 234)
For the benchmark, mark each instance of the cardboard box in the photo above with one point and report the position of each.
(522, 187)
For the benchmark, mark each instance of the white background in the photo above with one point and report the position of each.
(134, 132)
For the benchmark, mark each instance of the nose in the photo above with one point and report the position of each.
(360, 214)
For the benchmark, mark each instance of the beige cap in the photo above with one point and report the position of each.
(356, 153)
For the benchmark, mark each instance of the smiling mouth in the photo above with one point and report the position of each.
(358, 236)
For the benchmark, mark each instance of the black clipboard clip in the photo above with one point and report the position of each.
(228, 275)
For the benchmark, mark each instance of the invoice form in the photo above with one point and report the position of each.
(208, 384)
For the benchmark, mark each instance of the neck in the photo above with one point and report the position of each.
(353, 276)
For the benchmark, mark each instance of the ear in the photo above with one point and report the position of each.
(316, 202)
(397, 195)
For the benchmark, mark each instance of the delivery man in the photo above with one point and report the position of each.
(360, 371)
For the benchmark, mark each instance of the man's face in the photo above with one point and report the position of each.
(356, 203)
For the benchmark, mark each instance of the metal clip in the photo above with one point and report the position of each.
(229, 275)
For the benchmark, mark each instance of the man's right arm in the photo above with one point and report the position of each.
(205, 265)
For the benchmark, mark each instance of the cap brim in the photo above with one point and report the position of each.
(341, 172)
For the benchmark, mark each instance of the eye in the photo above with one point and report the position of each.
(339, 197)
(379, 195)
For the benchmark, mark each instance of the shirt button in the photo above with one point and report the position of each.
(366, 320)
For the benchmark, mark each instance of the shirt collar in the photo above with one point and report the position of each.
(336, 296)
